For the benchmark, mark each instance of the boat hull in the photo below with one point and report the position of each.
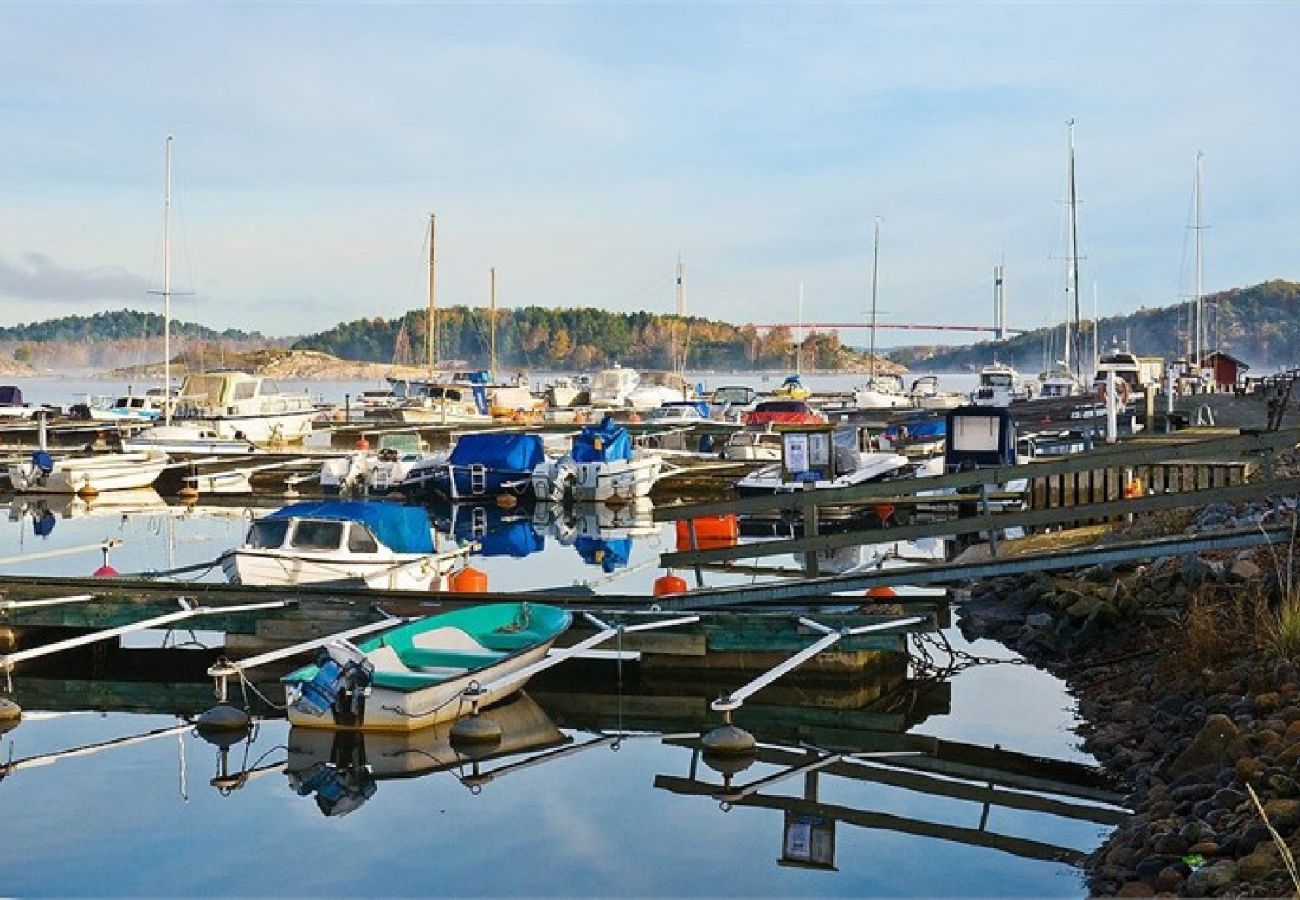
(394, 572)
(287, 427)
(113, 472)
(622, 479)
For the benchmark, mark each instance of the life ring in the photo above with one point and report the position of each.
(1122, 389)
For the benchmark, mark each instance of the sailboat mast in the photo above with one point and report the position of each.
(1200, 311)
(431, 326)
(875, 282)
(492, 325)
(798, 343)
(1074, 317)
(679, 360)
(167, 286)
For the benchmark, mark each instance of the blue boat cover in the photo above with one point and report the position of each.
(517, 539)
(923, 429)
(402, 529)
(606, 442)
(513, 452)
(608, 554)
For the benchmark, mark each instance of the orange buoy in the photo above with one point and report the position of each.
(710, 531)
(362, 443)
(884, 511)
(670, 584)
(1134, 488)
(469, 580)
(507, 501)
(881, 592)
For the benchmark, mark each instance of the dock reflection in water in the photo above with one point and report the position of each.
(842, 781)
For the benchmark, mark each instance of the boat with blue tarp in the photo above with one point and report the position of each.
(346, 542)
(602, 464)
(488, 464)
(418, 674)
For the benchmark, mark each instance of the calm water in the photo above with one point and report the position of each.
(143, 818)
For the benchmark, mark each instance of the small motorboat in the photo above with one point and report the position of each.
(350, 543)
(188, 439)
(783, 412)
(487, 465)
(396, 457)
(43, 474)
(792, 389)
(753, 443)
(418, 674)
(601, 465)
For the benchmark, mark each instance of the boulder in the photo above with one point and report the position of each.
(1209, 749)
(1208, 879)
(1244, 570)
(1263, 861)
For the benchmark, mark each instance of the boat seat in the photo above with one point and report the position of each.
(511, 640)
(422, 660)
(414, 681)
(446, 638)
(385, 659)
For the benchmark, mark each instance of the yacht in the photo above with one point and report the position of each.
(239, 405)
(1058, 382)
(999, 384)
(612, 387)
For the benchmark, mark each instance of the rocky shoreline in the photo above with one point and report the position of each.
(1190, 698)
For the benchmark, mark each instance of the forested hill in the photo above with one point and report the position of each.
(536, 337)
(1260, 325)
(121, 325)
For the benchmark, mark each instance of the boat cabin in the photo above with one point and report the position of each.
(733, 395)
(347, 527)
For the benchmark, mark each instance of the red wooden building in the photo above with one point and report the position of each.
(1228, 370)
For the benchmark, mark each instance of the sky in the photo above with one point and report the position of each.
(580, 147)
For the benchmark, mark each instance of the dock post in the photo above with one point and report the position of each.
(811, 529)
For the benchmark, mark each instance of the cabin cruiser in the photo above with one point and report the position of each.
(730, 402)
(1129, 377)
(679, 412)
(999, 384)
(612, 387)
(239, 405)
(753, 443)
(395, 457)
(43, 474)
(881, 392)
(147, 407)
(925, 393)
(657, 388)
(376, 545)
(601, 465)
(564, 391)
(1058, 382)
(461, 401)
(817, 458)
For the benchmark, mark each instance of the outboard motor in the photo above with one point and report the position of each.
(339, 790)
(343, 675)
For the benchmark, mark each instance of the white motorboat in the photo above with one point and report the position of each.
(380, 470)
(146, 407)
(999, 384)
(1058, 382)
(925, 393)
(729, 403)
(601, 465)
(187, 440)
(349, 543)
(656, 389)
(612, 387)
(43, 474)
(564, 391)
(239, 405)
(881, 392)
(853, 467)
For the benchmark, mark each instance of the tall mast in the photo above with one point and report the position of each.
(431, 323)
(798, 342)
(875, 282)
(1073, 315)
(167, 286)
(492, 325)
(1200, 323)
(679, 363)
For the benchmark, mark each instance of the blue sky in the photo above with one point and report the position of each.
(579, 147)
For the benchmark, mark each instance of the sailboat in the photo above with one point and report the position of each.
(880, 391)
(221, 412)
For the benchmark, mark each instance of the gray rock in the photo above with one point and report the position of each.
(1209, 749)
(1208, 879)
(1040, 621)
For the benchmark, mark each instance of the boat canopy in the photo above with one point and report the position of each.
(513, 452)
(11, 395)
(402, 529)
(923, 429)
(606, 442)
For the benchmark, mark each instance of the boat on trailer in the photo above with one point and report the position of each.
(340, 542)
(417, 675)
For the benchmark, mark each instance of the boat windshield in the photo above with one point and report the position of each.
(317, 535)
(267, 534)
(360, 540)
(996, 379)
